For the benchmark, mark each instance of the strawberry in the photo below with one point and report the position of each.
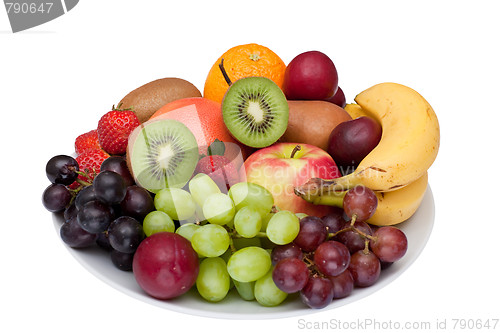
(114, 128)
(86, 141)
(89, 162)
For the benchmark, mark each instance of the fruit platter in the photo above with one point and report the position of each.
(266, 195)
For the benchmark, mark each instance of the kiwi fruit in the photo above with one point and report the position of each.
(162, 153)
(148, 98)
(255, 111)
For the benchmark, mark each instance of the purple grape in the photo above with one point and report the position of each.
(109, 187)
(56, 198)
(289, 250)
(365, 268)
(95, 216)
(334, 221)
(360, 201)
(74, 236)
(389, 244)
(122, 261)
(343, 284)
(332, 258)
(118, 164)
(125, 234)
(137, 203)
(312, 232)
(62, 169)
(317, 293)
(85, 195)
(290, 275)
(352, 239)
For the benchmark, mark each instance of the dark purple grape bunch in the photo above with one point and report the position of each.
(334, 254)
(108, 212)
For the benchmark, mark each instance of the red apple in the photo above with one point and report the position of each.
(281, 167)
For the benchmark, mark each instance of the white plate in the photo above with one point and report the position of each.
(417, 229)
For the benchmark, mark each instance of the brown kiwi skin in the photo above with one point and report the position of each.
(148, 98)
(312, 122)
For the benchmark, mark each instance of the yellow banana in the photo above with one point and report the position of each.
(397, 206)
(354, 110)
(407, 148)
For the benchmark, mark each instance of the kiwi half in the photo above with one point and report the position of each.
(255, 111)
(163, 153)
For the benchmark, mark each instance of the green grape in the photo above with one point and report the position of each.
(245, 289)
(210, 240)
(240, 243)
(201, 186)
(157, 221)
(213, 281)
(266, 292)
(283, 227)
(247, 222)
(301, 215)
(187, 230)
(218, 208)
(176, 202)
(249, 264)
(265, 221)
(253, 195)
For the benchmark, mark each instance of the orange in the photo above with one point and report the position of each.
(204, 118)
(243, 61)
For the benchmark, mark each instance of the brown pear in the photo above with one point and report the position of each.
(312, 122)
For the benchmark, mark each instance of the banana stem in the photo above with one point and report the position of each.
(336, 199)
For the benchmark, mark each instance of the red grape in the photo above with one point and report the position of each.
(312, 232)
(334, 221)
(332, 258)
(360, 201)
(165, 265)
(352, 239)
(365, 268)
(289, 250)
(310, 76)
(317, 293)
(343, 284)
(389, 244)
(290, 275)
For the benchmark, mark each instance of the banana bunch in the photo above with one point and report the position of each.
(396, 169)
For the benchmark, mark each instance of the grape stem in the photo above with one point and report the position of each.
(352, 227)
(259, 234)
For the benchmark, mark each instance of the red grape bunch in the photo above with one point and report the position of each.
(334, 254)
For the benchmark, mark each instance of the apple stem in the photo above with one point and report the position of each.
(295, 150)
(224, 73)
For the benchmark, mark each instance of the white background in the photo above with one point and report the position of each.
(56, 80)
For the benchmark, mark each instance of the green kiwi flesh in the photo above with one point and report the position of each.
(163, 154)
(255, 111)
